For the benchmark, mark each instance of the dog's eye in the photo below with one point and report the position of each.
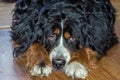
(52, 37)
(71, 39)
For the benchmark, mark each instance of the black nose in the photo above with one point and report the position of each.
(58, 63)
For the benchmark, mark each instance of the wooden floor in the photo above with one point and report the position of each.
(108, 68)
(5, 13)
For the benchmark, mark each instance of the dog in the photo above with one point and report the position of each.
(55, 33)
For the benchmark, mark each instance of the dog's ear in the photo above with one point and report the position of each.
(26, 24)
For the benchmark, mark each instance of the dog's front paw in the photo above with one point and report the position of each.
(76, 70)
(41, 71)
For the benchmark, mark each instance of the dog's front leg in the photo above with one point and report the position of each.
(38, 62)
(75, 69)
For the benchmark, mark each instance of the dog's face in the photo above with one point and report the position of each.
(61, 33)
(65, 31)
(60, 42)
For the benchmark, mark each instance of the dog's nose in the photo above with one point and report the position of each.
(58, 63)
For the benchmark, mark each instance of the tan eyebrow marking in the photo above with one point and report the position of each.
(67, 35)
(57, 31)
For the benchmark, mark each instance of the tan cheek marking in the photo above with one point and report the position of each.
(57, 31)
(66, 35)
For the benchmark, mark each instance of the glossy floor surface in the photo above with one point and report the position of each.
(108, 68)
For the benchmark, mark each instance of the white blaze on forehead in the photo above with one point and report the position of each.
(60, 50)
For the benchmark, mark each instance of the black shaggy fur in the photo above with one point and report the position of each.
(89, 21)
(7, 0)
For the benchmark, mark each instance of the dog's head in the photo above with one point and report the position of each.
(63, 27)
(60, 41)
(61, 33)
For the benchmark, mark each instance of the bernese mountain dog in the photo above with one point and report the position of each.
(62, 34)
